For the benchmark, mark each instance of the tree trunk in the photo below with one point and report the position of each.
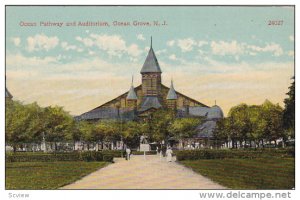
(55, 146)
(14, 148)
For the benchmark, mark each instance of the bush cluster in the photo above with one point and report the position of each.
(114, 153)
(228, 153)
(51, 157)
(142, 153)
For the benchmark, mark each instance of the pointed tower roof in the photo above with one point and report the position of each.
(151, 63)
(172, 94)
(7, 94)
(131, 94)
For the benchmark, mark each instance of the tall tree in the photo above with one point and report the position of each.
(184, 128)
(16, 124)
(272, 114)
(289, 111)
(159, 123)
(240, 123)
(58, 124)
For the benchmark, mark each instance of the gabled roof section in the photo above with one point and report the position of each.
(120, 96)
(150, 102)
(172, 94)
(151, 63)
(7, 94)
(178, 93)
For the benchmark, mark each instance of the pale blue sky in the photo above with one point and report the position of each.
(214, 46)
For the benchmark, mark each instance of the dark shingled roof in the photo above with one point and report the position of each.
(171, 94)
(7, 94)
(131, 94)
(206, 129)
(197, 111)
(150, 102)
(215, 112)
(108, 113)
(151, 63)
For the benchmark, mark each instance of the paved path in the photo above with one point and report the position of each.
(139, 173)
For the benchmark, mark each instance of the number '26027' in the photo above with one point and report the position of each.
(275, 22)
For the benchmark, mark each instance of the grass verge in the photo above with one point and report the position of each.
(259, 173)
(47, 175)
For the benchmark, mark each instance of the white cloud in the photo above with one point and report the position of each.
(171, 43)
(291, 38)
(16, 41)
(41, 42)
(114, 45)
(78, 38)
(19, 60)
(86, 41)
(173, 57)
(80, 50)
(202, 43)
(272, 48)
(226, 48)
(140, 37)
(68, 47)
(91, 53)
(159, 52)
(186, 44)
(109, 42)
(134, 50)
(133, 59)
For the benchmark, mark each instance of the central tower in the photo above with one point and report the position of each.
(151, 75)
(151, 82)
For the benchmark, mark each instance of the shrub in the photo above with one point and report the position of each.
(108, 158)
(86, 156)
(50, 157)
(114, 153)
(236, 153)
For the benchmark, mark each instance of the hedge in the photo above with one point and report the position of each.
(142, 153)
(50, 157)
(114, 153)
(228, 153)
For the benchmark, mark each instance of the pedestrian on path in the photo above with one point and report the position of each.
(169, 154)
(128, 152)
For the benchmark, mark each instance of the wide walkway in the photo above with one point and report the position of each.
(140, 173)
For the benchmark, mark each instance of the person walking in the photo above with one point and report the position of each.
(128, 152)
(169, 154)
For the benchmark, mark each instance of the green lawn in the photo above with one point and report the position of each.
(47, 175)
(271, 173)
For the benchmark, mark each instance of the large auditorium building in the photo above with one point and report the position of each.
(151, 95)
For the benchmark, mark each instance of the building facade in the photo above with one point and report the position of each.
(150, 95)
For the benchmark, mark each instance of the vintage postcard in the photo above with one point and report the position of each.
(150, 97)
